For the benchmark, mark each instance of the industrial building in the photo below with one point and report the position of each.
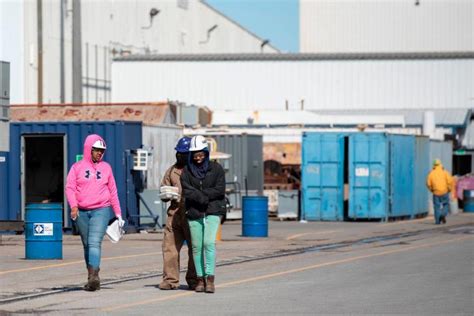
(311, 90)
(66, 47)
(373, 26)
(299, 81)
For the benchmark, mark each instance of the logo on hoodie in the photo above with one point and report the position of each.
(98, 174)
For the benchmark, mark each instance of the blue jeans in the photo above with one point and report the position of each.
(441, 206)
(92, 225)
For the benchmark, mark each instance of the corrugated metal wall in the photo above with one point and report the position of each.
(322, 84)
(4, 136)
(119, 136)
(421, 169)
(4, 106)
(4, 205)
(468, 140)
(442, 150)
(246, 161)
(161, 140)
(124, 27)
(386, 26)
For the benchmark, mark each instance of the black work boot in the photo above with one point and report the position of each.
(210, 288)
(200, 286)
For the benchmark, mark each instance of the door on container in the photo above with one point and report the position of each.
(322, 176)
(43, 170)
(368, 165)
(422, 166)
(402, 179)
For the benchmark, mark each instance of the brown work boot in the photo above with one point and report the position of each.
(94, 281)
(166, 286)
(90, 270)
(200, 286)
(210, 288)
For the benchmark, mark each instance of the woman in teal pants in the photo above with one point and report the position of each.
(203, 183)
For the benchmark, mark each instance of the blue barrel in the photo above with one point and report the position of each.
(468, 200)
(255, 216)
(44, 231)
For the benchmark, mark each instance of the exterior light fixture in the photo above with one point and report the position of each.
(209, 31)
(153, 12)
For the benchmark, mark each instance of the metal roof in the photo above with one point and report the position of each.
(282, 118)
(412, 117)
(297, 56)
(345, 117)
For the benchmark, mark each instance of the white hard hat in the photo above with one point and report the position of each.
(99, 144)
(198, 143)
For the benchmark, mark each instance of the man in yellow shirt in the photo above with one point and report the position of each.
(440, 183)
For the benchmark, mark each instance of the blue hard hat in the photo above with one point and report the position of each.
(183, 144)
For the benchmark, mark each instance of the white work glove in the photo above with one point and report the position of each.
(121, 222)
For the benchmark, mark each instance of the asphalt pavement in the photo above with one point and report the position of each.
(405, 267)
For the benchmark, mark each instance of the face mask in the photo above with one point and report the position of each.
(181, 159)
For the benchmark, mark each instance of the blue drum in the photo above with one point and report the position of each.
(255, 216)
(44, 231)
(468, 200)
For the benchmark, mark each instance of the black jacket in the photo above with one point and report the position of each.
(206, 196)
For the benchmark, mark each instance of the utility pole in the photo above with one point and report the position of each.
(39, 20)
(76, 52)
(61, 54)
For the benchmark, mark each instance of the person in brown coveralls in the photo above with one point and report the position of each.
(177, 228)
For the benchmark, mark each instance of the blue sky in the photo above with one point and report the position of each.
(277, 20)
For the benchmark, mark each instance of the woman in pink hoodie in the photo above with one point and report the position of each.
(92, 193)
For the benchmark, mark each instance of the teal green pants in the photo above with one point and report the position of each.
(203, 240)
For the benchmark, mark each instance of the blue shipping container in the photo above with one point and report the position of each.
(363, 176)
(121, 137)
(323, 176)
(368, 176)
